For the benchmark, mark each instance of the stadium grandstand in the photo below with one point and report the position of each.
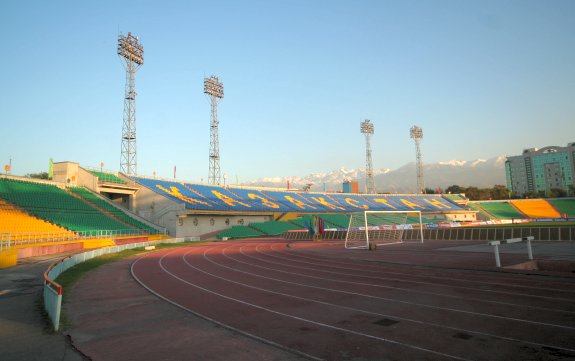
(499, 210)
(536, 208)
(83, 202)
(39, 217)
(202, 210)
(524, 209)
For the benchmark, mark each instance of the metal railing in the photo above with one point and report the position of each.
(544, 233)
(53, 291)
(13, 239)
(463, 234)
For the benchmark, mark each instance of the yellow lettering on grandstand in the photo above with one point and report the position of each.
(354, 203)
(265, 202)
(385, 202)
(298, 203)
(324, 202)
(437, 203)
(175, 192)
(410, 204)
(229, 200)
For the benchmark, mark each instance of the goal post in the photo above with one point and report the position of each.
(369, 229)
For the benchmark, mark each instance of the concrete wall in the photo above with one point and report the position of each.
(195, 225)
(157, 209)
(66, 173)
(461, 217)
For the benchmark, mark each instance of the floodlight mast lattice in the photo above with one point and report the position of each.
(416, 133)
(214, 89)
(131, 53)
(367, 129)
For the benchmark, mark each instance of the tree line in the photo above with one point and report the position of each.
(499, 192)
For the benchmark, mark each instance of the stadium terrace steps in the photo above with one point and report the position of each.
(107, 177)
(112, 210)
(536, 208)
(239, 232)
(273, 228)
(55, 205)
(21, 224)
(220, 198)
(458, 199)
(501, 210)
(260, 200)
(334, 220)
(483, 215)
(564, 206)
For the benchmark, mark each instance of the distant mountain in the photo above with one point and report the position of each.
(479, 173)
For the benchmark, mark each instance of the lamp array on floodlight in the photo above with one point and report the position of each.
(130, 48)
(367, 127)
(416, 132)
(213, 87)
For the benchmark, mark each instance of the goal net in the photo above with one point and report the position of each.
(377, 228)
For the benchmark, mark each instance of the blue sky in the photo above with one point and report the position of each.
(482, 78)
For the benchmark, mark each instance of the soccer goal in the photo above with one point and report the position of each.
(377, 228)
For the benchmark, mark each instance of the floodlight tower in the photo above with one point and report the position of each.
(367, 129)
(416, 133)
(215, 91)
(131, 53)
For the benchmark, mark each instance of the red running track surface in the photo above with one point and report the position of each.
(319, 300)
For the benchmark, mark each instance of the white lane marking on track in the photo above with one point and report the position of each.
(417, 282)
(361, 334)
(206, 256)
(515, 305)
(340, 262)
(304, 252)
(400, 301)
(226, 326)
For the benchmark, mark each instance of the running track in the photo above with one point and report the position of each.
(316, 299)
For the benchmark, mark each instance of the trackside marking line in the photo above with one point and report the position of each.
(353, 308)
(399, 301)
(226, 326)
(556, 310)
(306, 320)
(297, 254)
(411, 281)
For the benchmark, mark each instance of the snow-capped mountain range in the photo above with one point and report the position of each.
(479, 173)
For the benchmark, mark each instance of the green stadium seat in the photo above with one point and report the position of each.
(55, 205)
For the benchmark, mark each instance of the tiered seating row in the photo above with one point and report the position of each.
(239, 232)
(108, 177)
(565, 207)
(22, 225)
(212, 197)
(340, 221)
(56, 206)
(113, 210)
(536, 208)
(503, 210)
(526, 208)
(273, 228)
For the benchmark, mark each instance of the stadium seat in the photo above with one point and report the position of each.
(500, 210)
(114, 211)
(55, 205)
(108, 177)
(24, 226)
(536, 208)
(565, 207)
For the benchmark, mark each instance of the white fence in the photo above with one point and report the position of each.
(53, 291)
(13, 239)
